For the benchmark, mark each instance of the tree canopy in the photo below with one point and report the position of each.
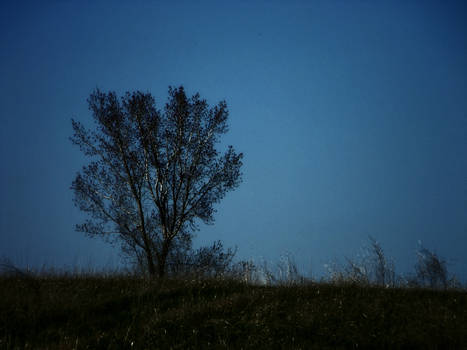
(154, 174)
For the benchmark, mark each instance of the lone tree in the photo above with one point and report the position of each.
(154, 173)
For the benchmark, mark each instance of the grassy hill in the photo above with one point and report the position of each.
(101, 312)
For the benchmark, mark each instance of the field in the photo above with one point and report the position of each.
(118, 311)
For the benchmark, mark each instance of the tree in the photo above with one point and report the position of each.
(154, 174)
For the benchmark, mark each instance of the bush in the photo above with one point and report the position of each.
(372, 267)
(207, 261)
(431, 271)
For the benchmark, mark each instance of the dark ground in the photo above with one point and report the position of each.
(92, 312)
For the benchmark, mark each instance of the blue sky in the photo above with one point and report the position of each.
(352, 116)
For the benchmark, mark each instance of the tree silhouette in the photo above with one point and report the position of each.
(154, 174)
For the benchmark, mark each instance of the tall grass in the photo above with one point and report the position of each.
(362, 304)
(125, 311)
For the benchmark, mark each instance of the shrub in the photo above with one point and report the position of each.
(371, 267)
(431, 271)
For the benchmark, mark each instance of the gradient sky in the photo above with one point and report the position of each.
(352, 116)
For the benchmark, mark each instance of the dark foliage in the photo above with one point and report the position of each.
(154, 173)
(207, 261)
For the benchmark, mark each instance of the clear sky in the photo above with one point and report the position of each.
(352, 116)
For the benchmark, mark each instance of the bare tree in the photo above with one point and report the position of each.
(154, 174)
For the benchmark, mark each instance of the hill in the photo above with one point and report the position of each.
(101, 312)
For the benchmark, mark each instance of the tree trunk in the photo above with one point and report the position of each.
(161, 266)
(151, 267)
(163, 259)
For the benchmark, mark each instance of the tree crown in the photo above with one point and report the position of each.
(154, 172)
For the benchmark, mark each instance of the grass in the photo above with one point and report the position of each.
(102, 312)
